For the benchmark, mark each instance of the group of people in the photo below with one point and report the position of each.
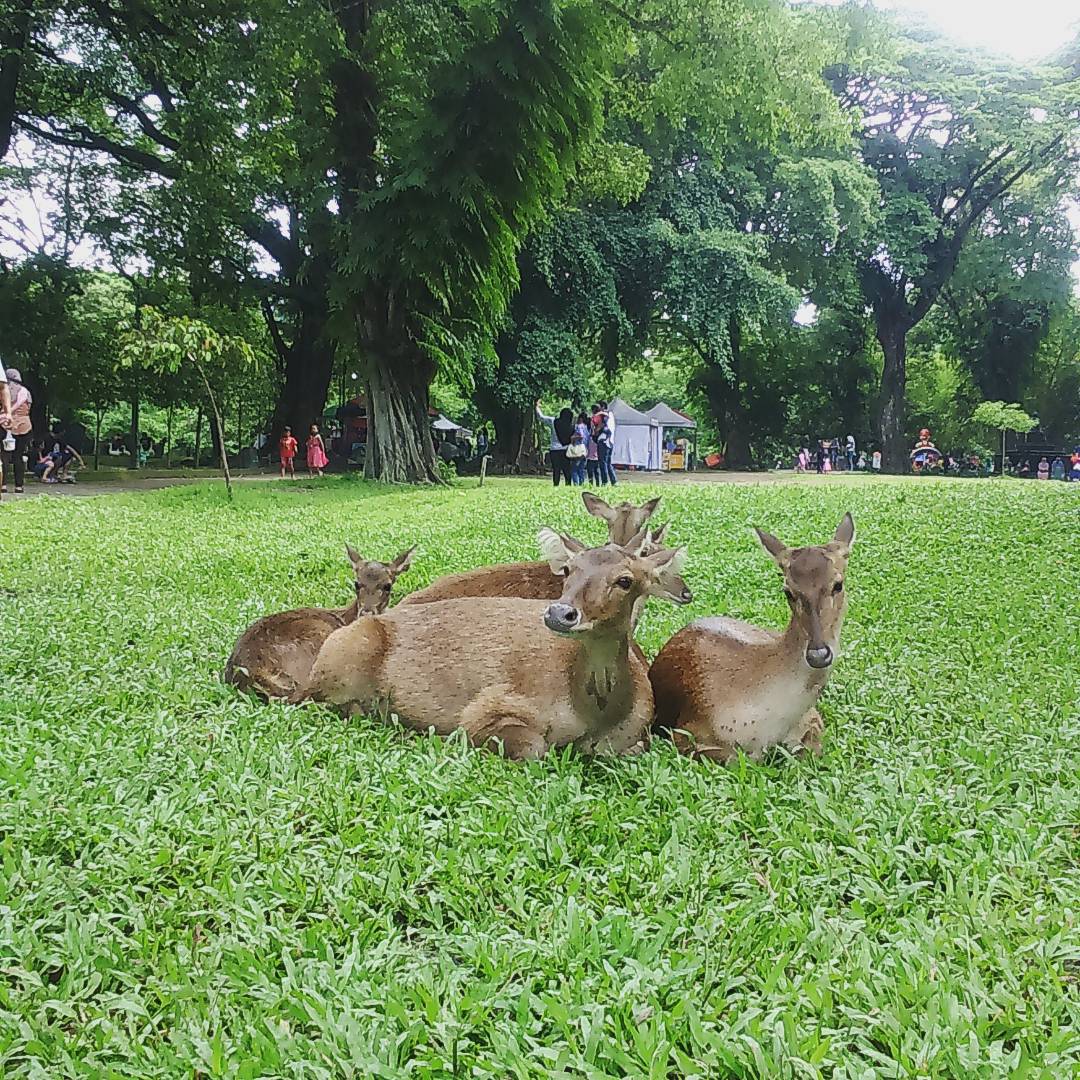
(50, 459)
(831, 455)
(581, 446)
(314, 451)
(1058, 469)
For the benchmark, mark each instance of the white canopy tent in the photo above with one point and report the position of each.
(445, 425)
(638, 437)
(668, 417)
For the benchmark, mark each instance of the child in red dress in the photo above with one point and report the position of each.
(316, 452)
(287, 447)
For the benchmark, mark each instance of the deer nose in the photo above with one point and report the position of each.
(561, 618)
(820, 657)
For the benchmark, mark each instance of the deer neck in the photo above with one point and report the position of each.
(349, 614)
(601, 672)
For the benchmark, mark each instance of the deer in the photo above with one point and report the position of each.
(723, 686)
(535, 580)
(548, 674)
(273, 656)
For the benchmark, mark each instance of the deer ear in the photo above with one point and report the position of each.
(559, 550)
(402, 562)
(664, 571)
(354, 555)
(844, 536)
(658, 534)
(776, 548)
(649, 509)
(596, 506)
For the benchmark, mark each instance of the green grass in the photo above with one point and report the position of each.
(192, 883)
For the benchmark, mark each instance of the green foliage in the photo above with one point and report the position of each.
(1004, 417)
(165, 343)
(216, 885)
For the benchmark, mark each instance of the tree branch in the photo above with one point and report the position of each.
(82, 138)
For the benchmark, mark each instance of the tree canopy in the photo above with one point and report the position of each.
(526, 198)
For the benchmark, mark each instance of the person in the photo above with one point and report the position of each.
(1074, 461)
(16, 432)
(1044, 469)
(860, 464)
(578, 451)
(116, 446)
(592, 454)
(802, 462)
(849, 452)
(316, 452)
(562, 431)
(287, 447)
(603, 431)
(39, 456)
(481, 443)
(1057, 469)
(827, 457)
(875, 461)
(60, 456)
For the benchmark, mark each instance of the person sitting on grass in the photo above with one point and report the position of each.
(61, 455)
(287, 447)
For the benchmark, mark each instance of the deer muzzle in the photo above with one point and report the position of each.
(562, 618)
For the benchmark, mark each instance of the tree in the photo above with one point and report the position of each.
(947, 138)
(166, 344)
(1004, 418)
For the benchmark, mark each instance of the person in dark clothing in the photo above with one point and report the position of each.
(562, 431)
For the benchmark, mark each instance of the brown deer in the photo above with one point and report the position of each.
(274, 654)
(535, 580)
(546, 674)
(722, 686)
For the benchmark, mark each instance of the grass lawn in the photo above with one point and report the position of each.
(192, 883)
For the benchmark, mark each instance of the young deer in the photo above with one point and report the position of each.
(547, 674)
(722, 685)
(535, 580)
(274, 654)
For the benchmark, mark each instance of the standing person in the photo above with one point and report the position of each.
(849, 452)
(592, 459)
(16, 430)
(875, 461)
(287, 447)
(579, 449)
(603, 431)
(316, 452)
(562, 431)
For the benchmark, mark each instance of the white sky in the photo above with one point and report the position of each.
(1024, 29)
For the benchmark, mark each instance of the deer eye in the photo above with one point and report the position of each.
(838, 587)
(624, 582)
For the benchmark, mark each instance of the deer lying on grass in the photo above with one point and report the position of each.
(546, 674)
(535, 580)
(722, 685)
(273, 656)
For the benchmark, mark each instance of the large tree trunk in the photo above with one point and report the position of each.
(892, 335)
(515, 439)
(399, 444)
(309, 366)
(133, 430)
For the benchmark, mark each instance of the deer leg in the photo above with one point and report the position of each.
(808, 735)
(691, 746)
(519, 740)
